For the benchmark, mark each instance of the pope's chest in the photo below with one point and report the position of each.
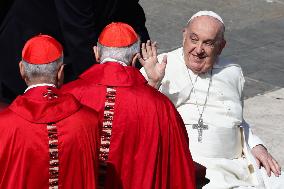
(215, 100)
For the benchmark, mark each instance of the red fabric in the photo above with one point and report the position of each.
(118, 34)
(149, 144)
(24, 148)
(41, 49)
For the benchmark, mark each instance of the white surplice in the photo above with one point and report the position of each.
(225, 146)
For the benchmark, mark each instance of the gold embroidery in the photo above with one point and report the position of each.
(106, 134)
(53, 156)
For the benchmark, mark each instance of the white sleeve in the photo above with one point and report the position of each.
(251, 139)
(143, 72)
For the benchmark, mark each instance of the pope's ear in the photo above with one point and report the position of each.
(222, 46)
(97, 54)
(184, 33)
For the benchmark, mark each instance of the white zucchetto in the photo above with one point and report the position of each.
(206, 13)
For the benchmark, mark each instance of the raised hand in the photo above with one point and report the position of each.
(154, 70)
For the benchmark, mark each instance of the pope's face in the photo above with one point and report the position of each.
(202, 43)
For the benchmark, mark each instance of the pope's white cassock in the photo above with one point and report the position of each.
(224, 146)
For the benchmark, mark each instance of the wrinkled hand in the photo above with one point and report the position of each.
(154, 70)
(263, 158)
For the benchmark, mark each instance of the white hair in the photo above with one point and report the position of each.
(43, 72)
(123, 54)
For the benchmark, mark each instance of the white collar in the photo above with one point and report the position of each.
(112, 60)
(39, 85)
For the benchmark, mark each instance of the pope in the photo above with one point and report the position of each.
(207, 91)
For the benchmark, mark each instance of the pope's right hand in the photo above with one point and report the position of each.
(265, 159)
(155, 71)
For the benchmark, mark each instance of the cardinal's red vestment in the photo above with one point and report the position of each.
(48, 140)
(144, 143)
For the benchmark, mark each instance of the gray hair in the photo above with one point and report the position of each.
(43, 72)
(123, 54)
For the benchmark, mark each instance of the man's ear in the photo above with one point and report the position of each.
(222, 46)
(22, 70)
(184, 33)
(97, 54)
(134, 60)
(60, 76)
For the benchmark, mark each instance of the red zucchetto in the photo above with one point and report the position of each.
(118, 34)
(42, 49)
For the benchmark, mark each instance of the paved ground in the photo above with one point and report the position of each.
(265, 114)
(255, 40)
